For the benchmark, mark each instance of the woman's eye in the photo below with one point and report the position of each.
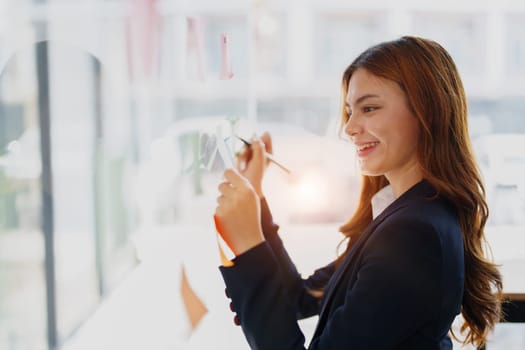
(369, 109)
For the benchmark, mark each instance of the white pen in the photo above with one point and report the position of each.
(268, 155)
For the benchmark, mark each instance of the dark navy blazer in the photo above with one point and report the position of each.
(399, 287)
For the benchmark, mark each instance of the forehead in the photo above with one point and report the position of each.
(363, 82)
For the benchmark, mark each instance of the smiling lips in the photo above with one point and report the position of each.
(365, 148)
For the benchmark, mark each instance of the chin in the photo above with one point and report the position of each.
(369, 168)
(371, 172)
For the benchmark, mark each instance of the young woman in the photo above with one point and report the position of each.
(409, 268)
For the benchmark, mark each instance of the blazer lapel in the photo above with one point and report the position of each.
(336, 279)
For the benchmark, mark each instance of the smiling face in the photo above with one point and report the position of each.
(382, 127)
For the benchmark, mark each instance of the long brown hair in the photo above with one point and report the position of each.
(434, 92)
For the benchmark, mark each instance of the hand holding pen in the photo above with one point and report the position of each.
(250, 161)
(237, 215)
(268, 155)
(236, 221)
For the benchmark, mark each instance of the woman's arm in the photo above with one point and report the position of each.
(396, 292)
(304, 293)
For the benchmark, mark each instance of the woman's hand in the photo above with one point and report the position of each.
(238, 213)
(252, 162)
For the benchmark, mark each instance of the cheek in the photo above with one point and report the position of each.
(406, 129)
(397, 143)
(412, 132)
(379, 128)
(407, 141)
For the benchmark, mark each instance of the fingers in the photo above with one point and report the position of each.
(255, 153)
(234, 178)
(243, 158)
(258, 150)
(225, 188)
(267, 139)
(235, 192)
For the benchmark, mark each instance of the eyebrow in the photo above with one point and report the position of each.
(361, 99)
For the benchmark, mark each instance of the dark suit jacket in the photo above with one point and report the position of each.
(399, 287)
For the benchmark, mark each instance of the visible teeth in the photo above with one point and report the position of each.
(367, 145)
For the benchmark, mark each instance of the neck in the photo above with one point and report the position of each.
(402, 180)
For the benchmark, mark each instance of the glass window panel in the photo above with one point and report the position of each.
(72, 140)
(102, 192)
(22, 280)
(91, 212)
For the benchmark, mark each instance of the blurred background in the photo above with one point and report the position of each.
(108, 169)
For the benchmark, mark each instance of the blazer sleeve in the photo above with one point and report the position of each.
(396, 292)
(294, 285)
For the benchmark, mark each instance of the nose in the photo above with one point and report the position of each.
(352, 127)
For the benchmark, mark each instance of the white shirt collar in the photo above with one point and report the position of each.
(382, 199)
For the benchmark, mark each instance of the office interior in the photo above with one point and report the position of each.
(110, 114)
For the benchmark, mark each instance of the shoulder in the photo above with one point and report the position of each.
(430, 208)
(405, 232)
(422, 225)
(424, 214)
